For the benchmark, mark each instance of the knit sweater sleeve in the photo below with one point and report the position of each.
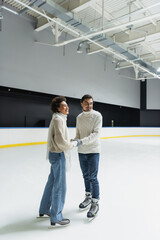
(95, 133)
(59, 139)
(77, 130)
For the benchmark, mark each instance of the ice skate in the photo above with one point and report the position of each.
(93, 210)
(63, 223)
(41, 215)
(86, 203)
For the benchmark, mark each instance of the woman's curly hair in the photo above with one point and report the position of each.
(55, 104)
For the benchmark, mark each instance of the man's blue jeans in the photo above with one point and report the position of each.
(55, 190)
(89, 165)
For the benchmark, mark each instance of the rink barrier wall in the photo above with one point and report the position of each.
(130, 136)
(16, 137)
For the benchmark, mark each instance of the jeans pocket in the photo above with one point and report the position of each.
(53, 157)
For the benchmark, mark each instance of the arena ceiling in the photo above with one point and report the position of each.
(127, 30)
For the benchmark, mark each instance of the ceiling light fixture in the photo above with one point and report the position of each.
(79, 49)
(83, 45)
(88, 48)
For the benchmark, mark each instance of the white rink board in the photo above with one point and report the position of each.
(33, 135)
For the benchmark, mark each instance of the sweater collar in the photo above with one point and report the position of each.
(58, 114)
(88, 113)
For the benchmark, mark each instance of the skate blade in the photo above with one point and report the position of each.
(90, 219)
(86, 208)
(38, 217)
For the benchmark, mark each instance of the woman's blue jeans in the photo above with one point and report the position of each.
(89, 165)
(55, 190)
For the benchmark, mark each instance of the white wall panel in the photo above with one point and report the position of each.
(153, 94)
(27, 65)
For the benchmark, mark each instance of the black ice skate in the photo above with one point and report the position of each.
(86, 202)
(93, 210)
(64, 222)
(41, 215)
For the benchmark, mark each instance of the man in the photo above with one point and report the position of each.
(88, 127)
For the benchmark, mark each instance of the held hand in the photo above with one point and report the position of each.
(78, 142)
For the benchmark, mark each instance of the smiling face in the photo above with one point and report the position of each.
(63, 108)
(87, 104)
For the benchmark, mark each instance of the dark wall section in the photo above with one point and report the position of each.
(148, 118)
(118, 116)
(143, 89)
(21, 108)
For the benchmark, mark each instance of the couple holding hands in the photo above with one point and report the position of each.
(87, 140)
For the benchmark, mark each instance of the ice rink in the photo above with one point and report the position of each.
(129, 177)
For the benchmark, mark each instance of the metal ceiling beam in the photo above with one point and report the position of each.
(26, 9)
(77, 5)
(112, 28)
(81, 7)
(47, 17)
(102, 42)
(132, 14)
(138, 34)
(140, 4)
(14, 10)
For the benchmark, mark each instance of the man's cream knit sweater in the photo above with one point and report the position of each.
(88, 129)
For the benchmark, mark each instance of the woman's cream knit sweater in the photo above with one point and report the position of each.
(58, 138)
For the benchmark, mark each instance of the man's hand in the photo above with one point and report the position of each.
(78, 141)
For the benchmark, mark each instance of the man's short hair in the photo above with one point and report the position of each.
(55, 104)
(86, 96)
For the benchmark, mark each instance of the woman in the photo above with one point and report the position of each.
(58, 144)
